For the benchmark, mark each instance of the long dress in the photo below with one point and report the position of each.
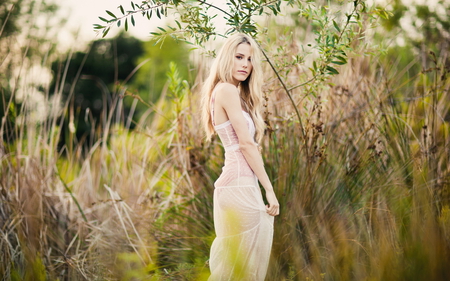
(244, 230)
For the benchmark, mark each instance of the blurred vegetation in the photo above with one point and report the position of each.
(111, 69)
(90, 86)
(152, 76)
(363, 175)
(423, 27)
(9, 14)
(18, 19)
(17, 14)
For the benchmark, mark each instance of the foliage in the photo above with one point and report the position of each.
(337, 29)
(23, 42)
(91, 85)
(16, 14)
(9, 11)
(368, 200)
(109, 71)
(424, 27)
(150, 80)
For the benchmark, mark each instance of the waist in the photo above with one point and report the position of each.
(232, 147)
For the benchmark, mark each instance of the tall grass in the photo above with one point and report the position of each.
(374, 204)
(371, 201)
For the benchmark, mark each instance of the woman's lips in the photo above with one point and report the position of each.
(242, 71)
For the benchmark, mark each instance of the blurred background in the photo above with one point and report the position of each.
(105, 173)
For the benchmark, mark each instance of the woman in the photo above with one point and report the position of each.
(232, 99)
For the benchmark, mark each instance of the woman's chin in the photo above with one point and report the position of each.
(240, 79)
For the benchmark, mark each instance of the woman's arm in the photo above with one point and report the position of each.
(227, 97)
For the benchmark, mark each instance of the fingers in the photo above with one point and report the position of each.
(273, 210)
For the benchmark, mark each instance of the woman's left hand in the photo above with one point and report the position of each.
(273, 208)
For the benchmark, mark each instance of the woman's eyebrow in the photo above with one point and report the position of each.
(239, 54)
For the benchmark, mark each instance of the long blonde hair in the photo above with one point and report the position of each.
(249, 90)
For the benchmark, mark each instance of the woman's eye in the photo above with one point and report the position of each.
(239, 57)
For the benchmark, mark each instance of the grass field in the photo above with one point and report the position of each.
(365, 195)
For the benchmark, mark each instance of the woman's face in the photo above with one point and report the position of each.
(242, 64)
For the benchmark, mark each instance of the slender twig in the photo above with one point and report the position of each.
(7, 17)
(338, 40)
(302, 84)
(268, 3)
(288, 94)
(348, 20)
(112, 21)
(140, 11)
(276, 73)
(215, 7)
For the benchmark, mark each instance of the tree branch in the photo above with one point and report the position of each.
(289, 95)
(215, 7)
(116, 19)
(303, 84)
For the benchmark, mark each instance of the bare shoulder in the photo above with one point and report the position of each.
(226, 88)
(226, 91)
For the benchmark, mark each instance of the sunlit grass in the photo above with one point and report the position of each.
(370, 202)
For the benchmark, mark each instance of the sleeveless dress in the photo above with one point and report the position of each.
(244, 230)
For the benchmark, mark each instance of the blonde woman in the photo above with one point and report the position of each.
(232, 99)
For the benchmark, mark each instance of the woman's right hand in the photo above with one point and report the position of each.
(273, 208)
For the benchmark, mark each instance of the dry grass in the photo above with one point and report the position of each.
(370, 202)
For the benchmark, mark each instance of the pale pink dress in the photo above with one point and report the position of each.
(244, 230)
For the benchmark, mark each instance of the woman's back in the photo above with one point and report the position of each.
(244, 230)
(243, 224)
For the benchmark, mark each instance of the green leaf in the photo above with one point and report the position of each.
(132, 20)
(342, 59)
(121, 10)
(132, 5)
(103, 19)
(118, 23)
(336, 26)
(332, 70)
(111, 14)
(157, 14)
(106, 32)
(126, 24)
(338, 62)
